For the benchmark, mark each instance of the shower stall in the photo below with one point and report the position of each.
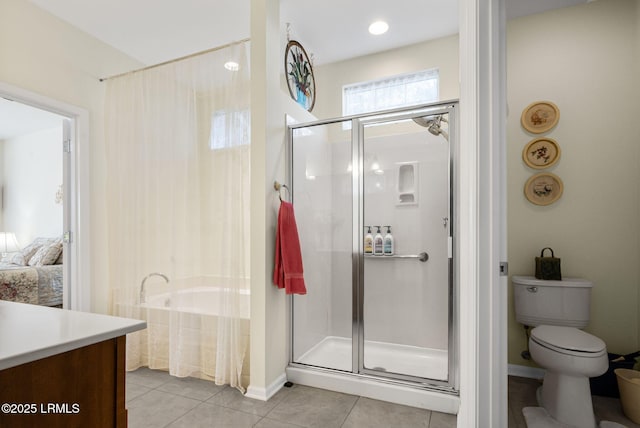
(378, 325)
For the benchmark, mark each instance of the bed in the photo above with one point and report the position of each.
(34, 277)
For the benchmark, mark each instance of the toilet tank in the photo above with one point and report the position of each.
(565, 303)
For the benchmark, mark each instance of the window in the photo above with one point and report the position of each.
(392, 92)
(230, 128)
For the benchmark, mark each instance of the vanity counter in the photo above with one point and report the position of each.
(62, 368)
(31, 332)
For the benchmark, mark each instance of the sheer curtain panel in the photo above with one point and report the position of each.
(178, 154)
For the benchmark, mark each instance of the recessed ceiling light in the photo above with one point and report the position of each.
(232, 66)
(378, 27)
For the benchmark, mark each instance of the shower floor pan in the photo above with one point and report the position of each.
(335, 353)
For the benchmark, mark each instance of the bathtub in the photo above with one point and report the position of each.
(200, 300)
(188, 319)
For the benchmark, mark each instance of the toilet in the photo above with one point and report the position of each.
(570, 356)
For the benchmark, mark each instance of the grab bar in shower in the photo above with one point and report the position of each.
(422, 257)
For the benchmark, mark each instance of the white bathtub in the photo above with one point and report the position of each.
(188, 319)
(214, 301)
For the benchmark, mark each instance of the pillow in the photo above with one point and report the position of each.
(59, 259)
(46, 255)
(31, 249)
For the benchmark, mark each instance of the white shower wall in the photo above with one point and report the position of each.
(406, 301)
(324, 224)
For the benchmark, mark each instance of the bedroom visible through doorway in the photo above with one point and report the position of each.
(34, 201)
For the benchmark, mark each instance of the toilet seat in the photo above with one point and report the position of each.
(568, 341)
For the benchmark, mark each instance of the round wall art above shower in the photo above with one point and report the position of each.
(540, 117)
(543, 189)
(299, 72)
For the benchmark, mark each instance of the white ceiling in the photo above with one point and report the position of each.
(154, 31)
(335, 30)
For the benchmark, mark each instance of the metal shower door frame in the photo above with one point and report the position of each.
(358, 122)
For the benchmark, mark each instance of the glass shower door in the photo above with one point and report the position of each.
(405, 283)
(390, 314)
(322, 190)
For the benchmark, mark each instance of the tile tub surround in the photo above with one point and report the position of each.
(155, 399)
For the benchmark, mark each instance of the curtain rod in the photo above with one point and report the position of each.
(217, 48)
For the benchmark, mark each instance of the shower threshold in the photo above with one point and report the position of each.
(335, 353)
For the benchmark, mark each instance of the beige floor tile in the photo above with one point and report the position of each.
(270, 423)
(211, 416)
(232, 398)
(147, 377)
(443, 420)
(198, 389)
(380, 414)
(156, 409)
(311, 407)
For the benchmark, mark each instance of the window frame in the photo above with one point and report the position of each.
(430, 74)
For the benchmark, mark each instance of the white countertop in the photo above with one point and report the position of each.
(31, 332)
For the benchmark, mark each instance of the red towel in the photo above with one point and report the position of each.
(287, 273)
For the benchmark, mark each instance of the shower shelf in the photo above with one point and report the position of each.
(422, 257)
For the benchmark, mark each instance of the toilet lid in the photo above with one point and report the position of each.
(567, 338)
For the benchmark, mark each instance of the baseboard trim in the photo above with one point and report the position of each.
(263, 394)
(526, 371)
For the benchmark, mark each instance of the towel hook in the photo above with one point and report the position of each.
(279, 187)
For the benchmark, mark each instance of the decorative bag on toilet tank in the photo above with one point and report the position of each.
(548, 267)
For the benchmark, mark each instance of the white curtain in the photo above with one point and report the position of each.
(178, 173)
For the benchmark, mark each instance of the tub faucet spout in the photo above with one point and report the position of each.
(143, 290)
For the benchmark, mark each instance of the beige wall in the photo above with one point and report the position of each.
(584, 59)
(43, 54)
(269, 104)
(441, 54)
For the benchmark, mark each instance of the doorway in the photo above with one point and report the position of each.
(44, 175)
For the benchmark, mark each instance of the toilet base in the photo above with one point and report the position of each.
(537, 417)
(567, 399)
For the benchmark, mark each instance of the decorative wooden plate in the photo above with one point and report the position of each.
(543, 189)
(541, 153)
(540, 117)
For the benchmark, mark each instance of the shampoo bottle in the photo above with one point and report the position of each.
(388, 246)
(368, 241)
(377, 243)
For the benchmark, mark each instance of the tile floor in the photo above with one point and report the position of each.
(522, 393)
(155, 400)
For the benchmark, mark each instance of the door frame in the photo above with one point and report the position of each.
(483, 287)
(451, 386)
(450, 108)
(77, 255)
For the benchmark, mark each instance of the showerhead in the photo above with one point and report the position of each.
(433, 124)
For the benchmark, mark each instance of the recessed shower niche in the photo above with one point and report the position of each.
(387, 321)
(407, 183)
